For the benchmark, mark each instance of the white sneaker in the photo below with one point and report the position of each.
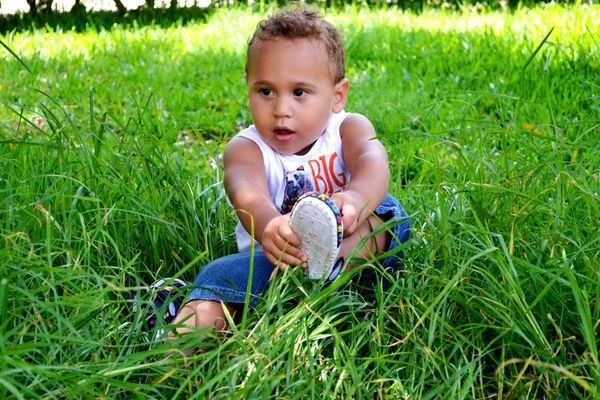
(317, 222)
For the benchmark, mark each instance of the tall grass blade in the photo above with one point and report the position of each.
(15, 56)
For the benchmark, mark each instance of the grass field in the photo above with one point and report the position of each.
(110, 177)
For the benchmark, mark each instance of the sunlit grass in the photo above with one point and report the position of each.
(111, 178)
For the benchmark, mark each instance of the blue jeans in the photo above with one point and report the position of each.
(226, 279)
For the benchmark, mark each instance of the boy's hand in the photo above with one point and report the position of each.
(350, 204)
(280, 244)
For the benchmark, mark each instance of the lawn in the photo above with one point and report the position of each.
(111, 177)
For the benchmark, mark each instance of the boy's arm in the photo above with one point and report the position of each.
(246, 186)
(367, 161)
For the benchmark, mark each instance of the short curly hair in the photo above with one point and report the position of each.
(302, 22)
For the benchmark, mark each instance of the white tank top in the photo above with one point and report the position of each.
(322, 169)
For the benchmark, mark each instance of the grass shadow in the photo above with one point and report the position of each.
(79, 20)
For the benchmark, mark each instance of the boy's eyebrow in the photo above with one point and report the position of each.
(263, 82)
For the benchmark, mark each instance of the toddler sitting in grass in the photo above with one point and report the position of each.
(303, 154)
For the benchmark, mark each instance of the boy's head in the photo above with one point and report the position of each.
(301, 23)
(295, 79)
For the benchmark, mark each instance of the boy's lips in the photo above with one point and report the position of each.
(283, 135)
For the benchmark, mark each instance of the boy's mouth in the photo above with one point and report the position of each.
(283, 134)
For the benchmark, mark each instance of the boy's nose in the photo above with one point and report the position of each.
(282, 108)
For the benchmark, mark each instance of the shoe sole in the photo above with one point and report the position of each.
(318, 224)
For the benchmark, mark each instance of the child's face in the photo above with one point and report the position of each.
(291, 93)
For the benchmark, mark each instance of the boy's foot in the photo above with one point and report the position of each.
(162, 292)
(317, 222)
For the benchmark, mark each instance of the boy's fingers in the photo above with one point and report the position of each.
(348, 210)
(281, 249)
(349, 214)
(284, 259)
(288, 234)
(297, 253)
(284, 246)
(283, 265)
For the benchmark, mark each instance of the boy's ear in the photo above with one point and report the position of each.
(341, 95)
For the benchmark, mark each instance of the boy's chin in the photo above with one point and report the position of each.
(284, 148)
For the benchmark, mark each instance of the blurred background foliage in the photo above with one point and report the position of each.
(81, 14)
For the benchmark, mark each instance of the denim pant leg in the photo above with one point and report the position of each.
(226, 279)
(390, 208)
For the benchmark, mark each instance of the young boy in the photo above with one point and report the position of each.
(302, 141)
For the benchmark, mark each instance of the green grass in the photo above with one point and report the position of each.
(111, 177)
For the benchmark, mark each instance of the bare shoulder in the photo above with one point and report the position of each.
(359, 139)
(357, 126)
(245, 176)
(240, 150)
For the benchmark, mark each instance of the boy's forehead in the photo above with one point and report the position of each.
(299, 46)
(300, 49)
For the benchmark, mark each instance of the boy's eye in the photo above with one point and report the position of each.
(266, 92)
(299, 92)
